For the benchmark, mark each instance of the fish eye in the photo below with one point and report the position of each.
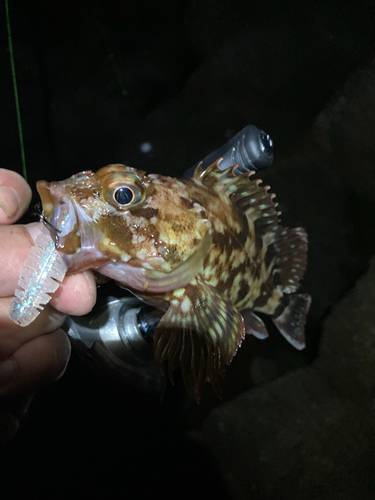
(124, 195)
(123, 190)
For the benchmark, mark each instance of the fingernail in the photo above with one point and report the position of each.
(9, 200)
(7, 371)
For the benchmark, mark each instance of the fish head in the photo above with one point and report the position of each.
(120, 218)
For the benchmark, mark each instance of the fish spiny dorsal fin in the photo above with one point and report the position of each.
(255, 200)
(200, 332)
(247, 195)
(223, 181)
(198, 171)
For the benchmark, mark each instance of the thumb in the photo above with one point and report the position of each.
(15, 196)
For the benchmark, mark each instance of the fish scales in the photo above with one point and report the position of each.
(209, 251)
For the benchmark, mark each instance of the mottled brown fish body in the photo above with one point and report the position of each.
(209, 251)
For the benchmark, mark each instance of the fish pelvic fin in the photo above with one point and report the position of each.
(254, 325)
(291, 321)
(200, 332)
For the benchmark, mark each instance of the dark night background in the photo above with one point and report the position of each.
(96, 79)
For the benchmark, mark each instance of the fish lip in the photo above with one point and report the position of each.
(43, 188)
(60, 214)
(77, 241)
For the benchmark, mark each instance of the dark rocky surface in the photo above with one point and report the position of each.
(308, 434)
(96, 79)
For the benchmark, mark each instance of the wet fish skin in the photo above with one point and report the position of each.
(209, 251)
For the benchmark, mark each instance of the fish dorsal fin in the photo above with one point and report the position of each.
(246, 194)
(286, 248)
(200, 332)
(290, 245)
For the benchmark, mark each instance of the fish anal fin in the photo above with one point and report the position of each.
(291, 246)
(291, 322)
(200, 332)
(254, 325)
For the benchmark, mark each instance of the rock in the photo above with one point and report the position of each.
(311, 433)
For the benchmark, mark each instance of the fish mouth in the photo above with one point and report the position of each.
(71, 228)
(61, 215)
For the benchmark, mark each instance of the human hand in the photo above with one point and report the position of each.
(31, 356)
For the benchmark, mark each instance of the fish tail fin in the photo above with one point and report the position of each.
(291, 321)
(200, 332)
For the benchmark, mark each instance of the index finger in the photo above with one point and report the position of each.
(15, 244)
(15, 196)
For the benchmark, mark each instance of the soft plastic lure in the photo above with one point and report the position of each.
(42, 272)
(37, 280)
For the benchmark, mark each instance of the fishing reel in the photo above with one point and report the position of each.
(116, 337)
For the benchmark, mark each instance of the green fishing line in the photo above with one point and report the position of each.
(23, 161)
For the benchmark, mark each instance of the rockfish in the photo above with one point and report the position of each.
(209, 251)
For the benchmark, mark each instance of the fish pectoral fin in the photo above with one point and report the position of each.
(254, 325)
(200, 332)
(291, 322)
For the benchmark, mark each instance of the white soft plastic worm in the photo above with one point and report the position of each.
(37, 280)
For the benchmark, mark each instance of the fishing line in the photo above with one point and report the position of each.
(23, 161)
